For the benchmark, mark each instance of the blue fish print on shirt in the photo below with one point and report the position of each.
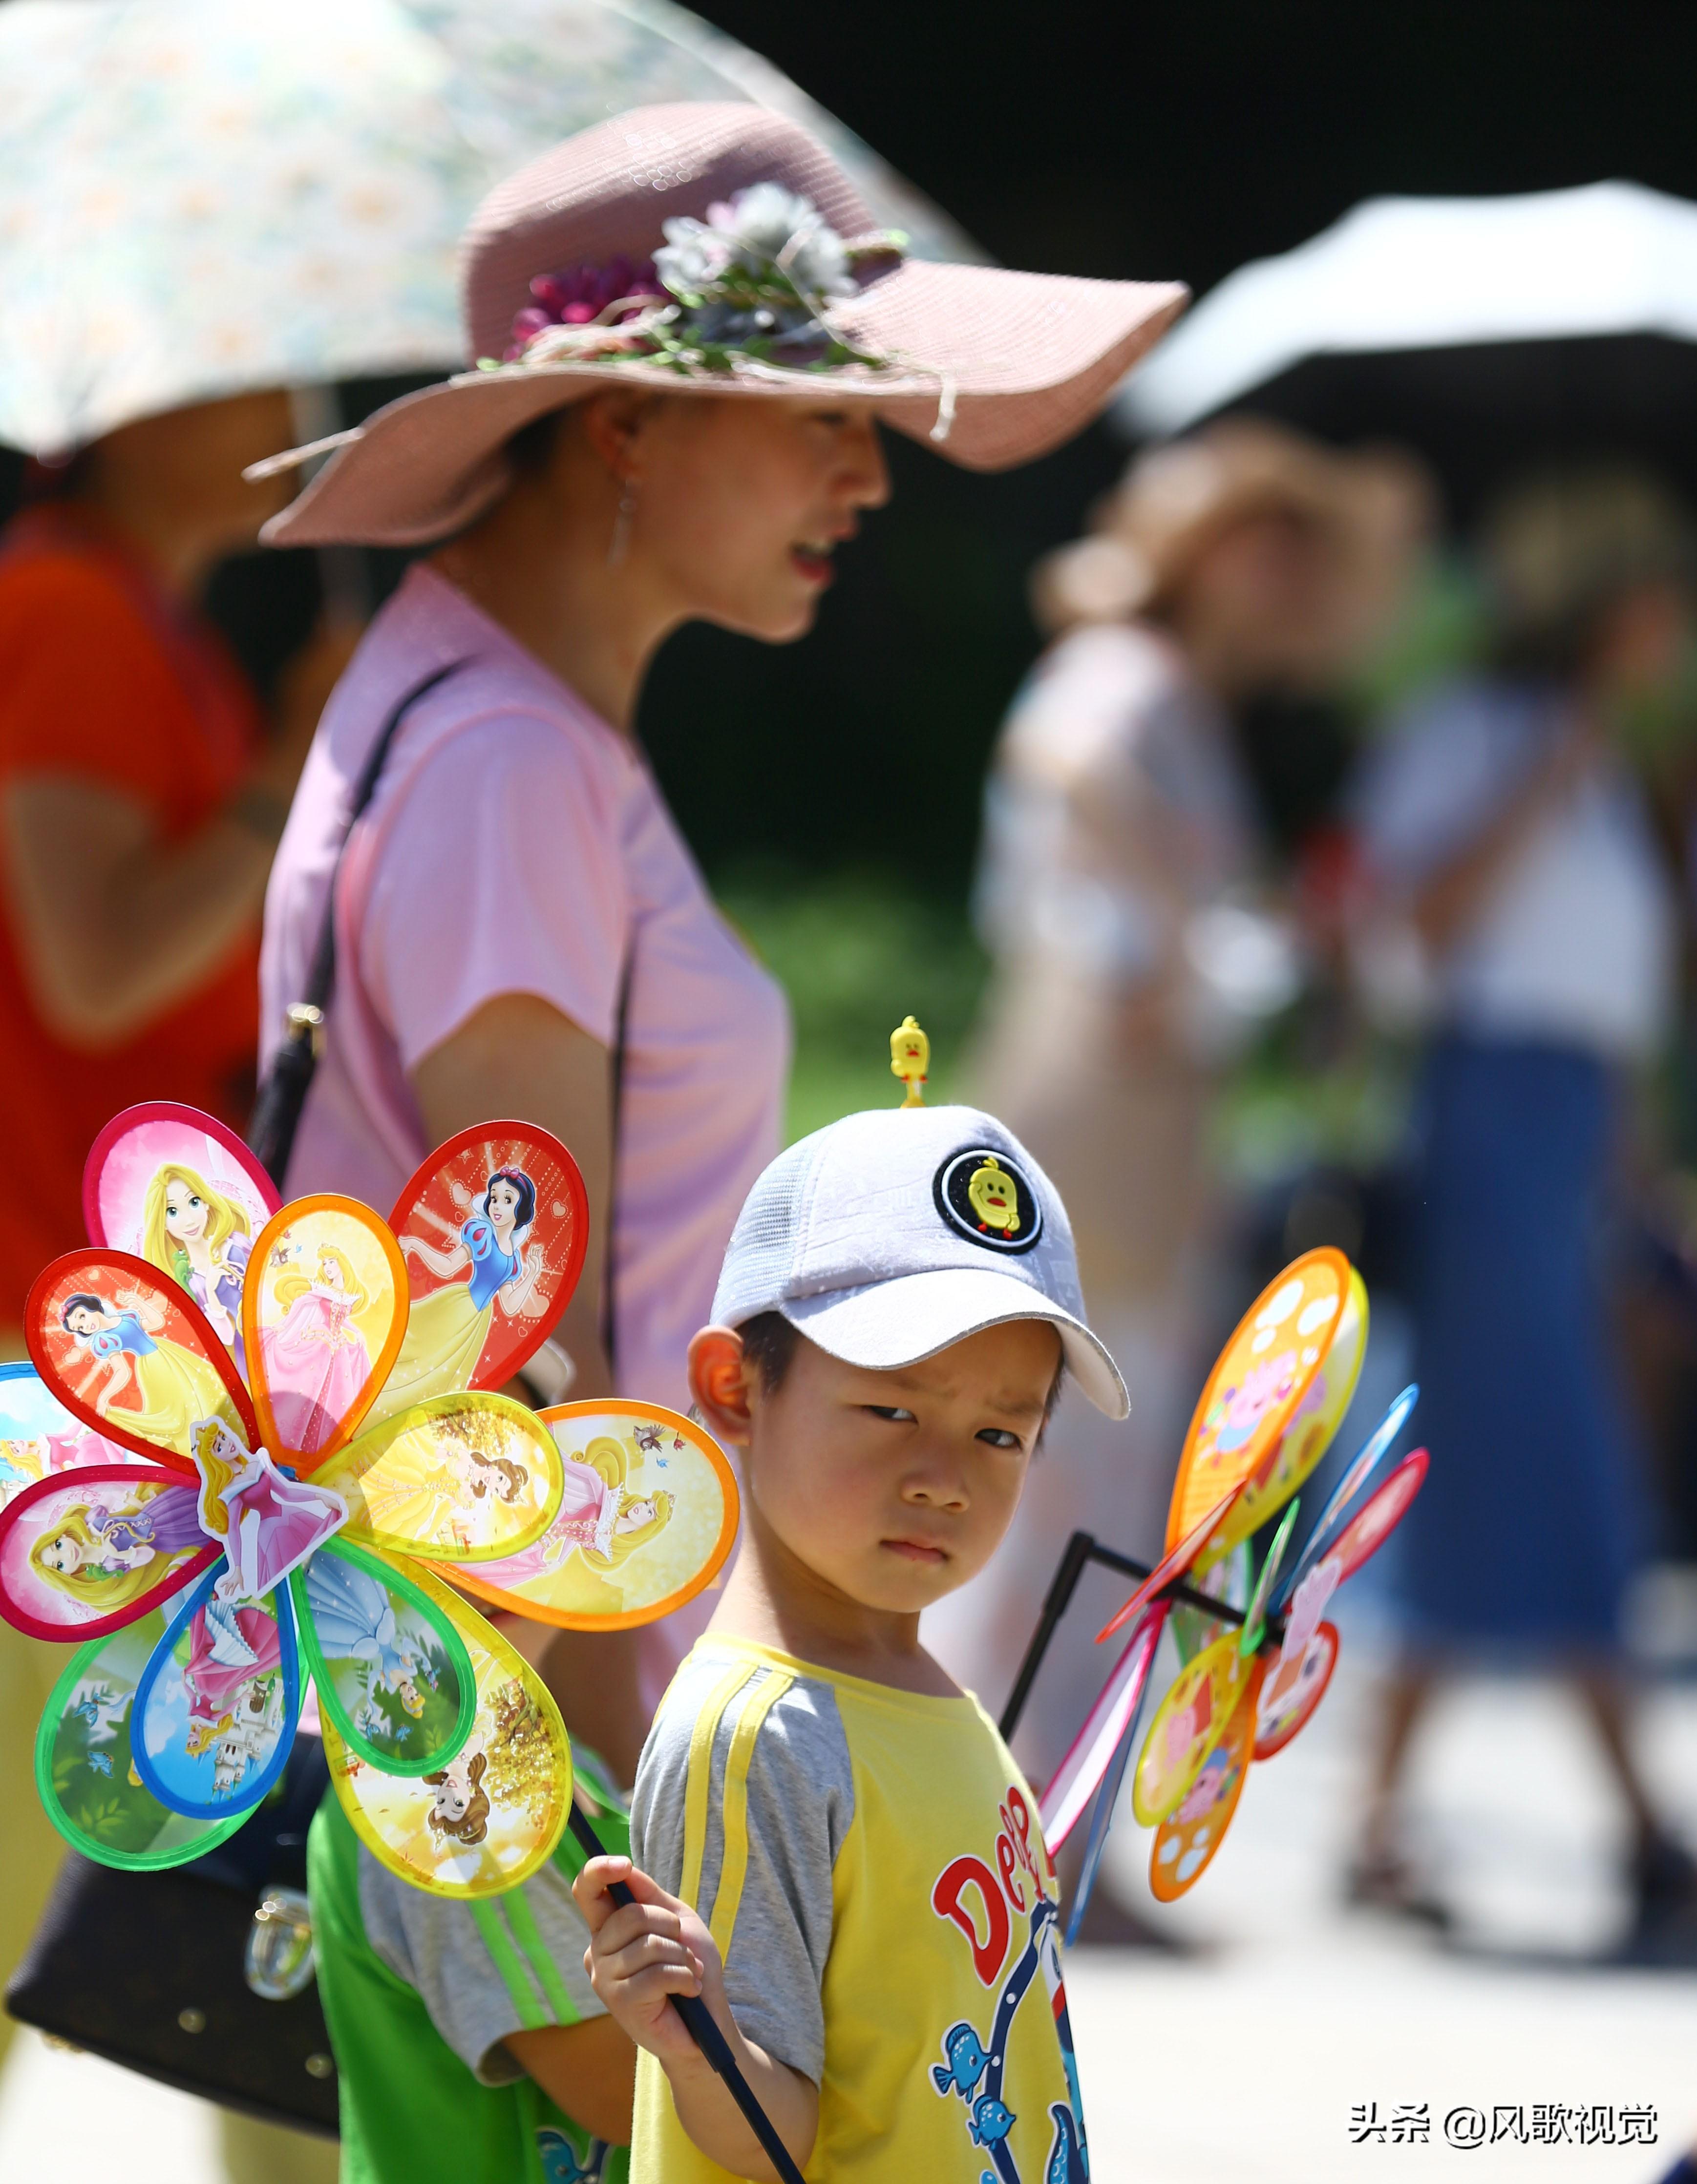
(560, 2162)
(966, 2064)
(991, 2121)
(1067, 2164)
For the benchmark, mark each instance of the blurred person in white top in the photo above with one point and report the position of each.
(1135, 952)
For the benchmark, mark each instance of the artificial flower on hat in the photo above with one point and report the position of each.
(250, 1451)
(718, 249)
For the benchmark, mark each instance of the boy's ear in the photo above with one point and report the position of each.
(719, 1377)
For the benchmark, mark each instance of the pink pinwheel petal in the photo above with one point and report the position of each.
(86, 1552)
(1108, 1721)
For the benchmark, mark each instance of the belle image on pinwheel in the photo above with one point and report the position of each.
(259, 1431)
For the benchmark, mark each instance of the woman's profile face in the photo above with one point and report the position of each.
(741, 503)
(330, 1273)
(635, 1514)
(503, 1201)
(85, 1320)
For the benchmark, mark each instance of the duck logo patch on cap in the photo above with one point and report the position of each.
(984, 1197)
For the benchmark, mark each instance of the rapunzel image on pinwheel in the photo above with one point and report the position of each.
(210, 1542)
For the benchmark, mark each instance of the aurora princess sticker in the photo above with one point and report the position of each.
(316, 1360)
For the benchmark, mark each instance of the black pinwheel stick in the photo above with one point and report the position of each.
(703, 2030)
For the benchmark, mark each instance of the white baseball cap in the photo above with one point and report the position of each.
(891, 1234)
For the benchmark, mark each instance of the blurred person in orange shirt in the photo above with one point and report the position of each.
(140, 802)
(141, 799)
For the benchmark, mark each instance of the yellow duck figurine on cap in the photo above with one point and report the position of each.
(910, 1059)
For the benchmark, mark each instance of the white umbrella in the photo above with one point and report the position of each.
(1421, 273)
(200, 197)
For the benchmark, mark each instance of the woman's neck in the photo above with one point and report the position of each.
(540, 564)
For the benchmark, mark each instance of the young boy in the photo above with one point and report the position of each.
(832, 1842)
(469, 2047)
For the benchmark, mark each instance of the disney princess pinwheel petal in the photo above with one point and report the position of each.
(493, 1227)
(91, 1524)
(1254, 1661)
(174, 1187)
(302, 1534)
(649, 1504)
(326, 1265)
(241, 1347)
(468, 1827)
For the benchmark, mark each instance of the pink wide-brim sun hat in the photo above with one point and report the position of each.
(990, 366)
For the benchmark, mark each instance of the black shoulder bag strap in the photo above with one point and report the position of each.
(609, 1312)
(282, 1096)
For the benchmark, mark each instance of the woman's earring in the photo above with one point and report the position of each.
(620, 541)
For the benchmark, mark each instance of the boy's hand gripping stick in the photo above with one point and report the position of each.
(703, 2030)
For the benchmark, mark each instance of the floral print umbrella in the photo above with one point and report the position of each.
(201, 196)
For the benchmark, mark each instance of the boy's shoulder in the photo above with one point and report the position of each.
(737, 1716)
(762, 1738)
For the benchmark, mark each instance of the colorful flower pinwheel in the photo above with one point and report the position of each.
(1266, 1417)
(256, 1434)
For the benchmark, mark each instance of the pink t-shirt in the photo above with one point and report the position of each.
(517, 845)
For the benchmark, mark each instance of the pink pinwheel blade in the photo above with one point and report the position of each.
(86, 1552)
(1088, 1757)
(1366, 1460)
(1378, 1517)
(177, 1189)
(1170, 1567)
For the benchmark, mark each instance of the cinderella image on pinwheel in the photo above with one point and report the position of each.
(210, 1554)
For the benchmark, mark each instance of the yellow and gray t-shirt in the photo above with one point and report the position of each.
(871, 1866)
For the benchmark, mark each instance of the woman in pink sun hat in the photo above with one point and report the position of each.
(686, 332)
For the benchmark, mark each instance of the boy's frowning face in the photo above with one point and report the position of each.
(896, 1488)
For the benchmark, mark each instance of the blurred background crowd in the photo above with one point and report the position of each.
(1280, 805)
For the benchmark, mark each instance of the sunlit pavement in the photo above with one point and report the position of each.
(1247, 2060)
(1241, 2064)
(67, 2118)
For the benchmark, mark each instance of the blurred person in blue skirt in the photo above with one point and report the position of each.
(1510, 831)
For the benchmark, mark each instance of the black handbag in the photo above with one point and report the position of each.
(200, 1976)
(276, 1110)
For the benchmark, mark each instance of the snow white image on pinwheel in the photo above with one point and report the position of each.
(252, 1459)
